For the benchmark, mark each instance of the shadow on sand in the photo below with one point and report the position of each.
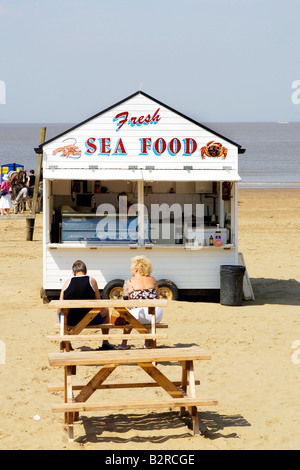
(212, 426)
(266, 291)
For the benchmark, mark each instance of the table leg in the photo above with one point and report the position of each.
(85, 321)
(193, 411)
(75, 330)
(134, 323)
(153, 325)
(69, 417)
(64, 345)
(97, 380)
(183, 384)
(161, 379)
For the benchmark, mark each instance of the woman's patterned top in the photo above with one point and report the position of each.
(142, 293)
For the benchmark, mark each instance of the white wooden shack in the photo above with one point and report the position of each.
(160, 159)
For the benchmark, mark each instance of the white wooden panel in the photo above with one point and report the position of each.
(171, 125)
(187, 269)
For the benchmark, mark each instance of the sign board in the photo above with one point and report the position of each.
(143, 134)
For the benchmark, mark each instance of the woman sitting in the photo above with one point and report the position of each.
(141, 286)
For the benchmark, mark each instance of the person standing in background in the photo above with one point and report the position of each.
(5, 201)
(30, 183)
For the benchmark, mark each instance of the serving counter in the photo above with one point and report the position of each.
(119, 229)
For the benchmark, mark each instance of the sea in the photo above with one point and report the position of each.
(271, 159)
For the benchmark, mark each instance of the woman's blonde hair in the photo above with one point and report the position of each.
(142, 264)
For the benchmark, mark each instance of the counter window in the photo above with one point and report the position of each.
(111, 212)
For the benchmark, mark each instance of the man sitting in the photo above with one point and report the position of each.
(83, 287)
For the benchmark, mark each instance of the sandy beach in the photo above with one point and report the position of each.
(251, 372)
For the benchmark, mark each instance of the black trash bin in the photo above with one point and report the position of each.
(231, 284)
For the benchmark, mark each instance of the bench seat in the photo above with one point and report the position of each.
(135, 356)
(105, 337)
(94, 303)
(111, 326)
(132, 404)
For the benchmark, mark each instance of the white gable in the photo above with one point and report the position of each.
(140, 133)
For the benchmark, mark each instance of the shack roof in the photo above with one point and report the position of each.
(39, 149)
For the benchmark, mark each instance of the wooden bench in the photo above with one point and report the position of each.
(120, 306)
(108, 361)
(113, 326)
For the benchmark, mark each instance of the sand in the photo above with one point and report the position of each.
(254, 371)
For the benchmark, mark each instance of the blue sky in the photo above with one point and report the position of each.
(213, 60)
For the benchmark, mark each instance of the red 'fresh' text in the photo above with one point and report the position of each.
(122, 118)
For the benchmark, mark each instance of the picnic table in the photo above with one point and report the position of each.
(180, 394)
(120, 306)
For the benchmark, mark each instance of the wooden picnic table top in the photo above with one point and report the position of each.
(88, 358)
(111, 303)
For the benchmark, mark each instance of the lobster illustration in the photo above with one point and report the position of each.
(69, 151)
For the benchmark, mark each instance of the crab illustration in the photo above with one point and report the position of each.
(213, 149)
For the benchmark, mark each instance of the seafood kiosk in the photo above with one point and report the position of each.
(140, 178)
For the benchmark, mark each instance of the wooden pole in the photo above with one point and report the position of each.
(29, 228)
(31, 221)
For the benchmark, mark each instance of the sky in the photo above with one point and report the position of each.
(214, 60)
